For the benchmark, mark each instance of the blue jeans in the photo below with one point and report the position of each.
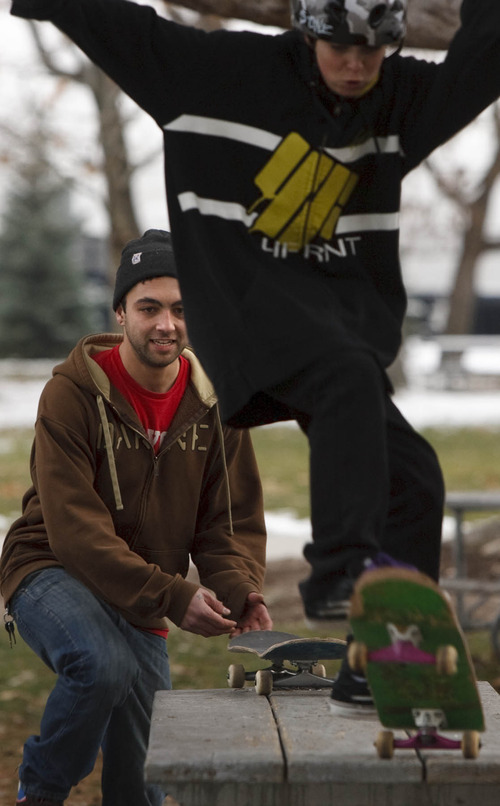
(107, 674)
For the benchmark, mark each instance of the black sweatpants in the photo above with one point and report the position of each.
(376, 484)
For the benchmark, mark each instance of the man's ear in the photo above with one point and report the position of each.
(120, 315)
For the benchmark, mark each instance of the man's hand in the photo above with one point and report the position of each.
(255, 616)
(205, 615)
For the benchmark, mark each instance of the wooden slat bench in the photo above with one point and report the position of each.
(234, 748)
(453, 372)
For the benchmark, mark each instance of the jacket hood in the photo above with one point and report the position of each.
(81, 369)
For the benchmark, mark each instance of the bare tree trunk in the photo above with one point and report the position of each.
(264, 12)
(116, 165)
(463, 295)
(432, 23)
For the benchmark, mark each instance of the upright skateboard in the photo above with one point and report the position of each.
(281, 648)
(410, 646)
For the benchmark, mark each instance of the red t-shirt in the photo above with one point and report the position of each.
(155, 411)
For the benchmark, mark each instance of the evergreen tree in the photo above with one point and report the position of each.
(43, 310)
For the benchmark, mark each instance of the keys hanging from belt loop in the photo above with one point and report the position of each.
(8, 621)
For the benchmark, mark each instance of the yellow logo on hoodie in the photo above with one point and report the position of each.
(303, 193)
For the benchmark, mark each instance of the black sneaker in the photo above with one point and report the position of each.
(329, 605)
(329, 599)
(350, 694)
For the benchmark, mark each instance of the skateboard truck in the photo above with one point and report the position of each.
(305, 675)
(428, 721)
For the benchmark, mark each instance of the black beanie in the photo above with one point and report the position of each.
(142, 259)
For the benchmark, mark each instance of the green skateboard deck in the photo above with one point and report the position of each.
(410, 646)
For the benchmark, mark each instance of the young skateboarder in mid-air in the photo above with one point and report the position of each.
(284, 157)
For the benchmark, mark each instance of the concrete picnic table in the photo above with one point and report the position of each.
(226, 747)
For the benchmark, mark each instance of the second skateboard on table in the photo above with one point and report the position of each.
(294, 661)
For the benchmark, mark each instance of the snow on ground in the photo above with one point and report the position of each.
(22, 382)
(428, 408)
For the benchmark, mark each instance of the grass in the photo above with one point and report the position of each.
(283, 458)
(14, 470)
(470, 459)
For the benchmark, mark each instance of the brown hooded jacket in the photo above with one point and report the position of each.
(126, 522)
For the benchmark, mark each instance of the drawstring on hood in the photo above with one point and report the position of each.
(224, 463)
(208, 397)
(109, 452)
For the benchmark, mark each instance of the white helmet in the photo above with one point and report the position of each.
(358, 22)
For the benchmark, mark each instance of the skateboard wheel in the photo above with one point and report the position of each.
(385, 744)
(263, 681)
(236, 676)
(446, 660)
(357, 657)
(471, 743)
(319, 670)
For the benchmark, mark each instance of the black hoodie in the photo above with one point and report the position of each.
(283, 198)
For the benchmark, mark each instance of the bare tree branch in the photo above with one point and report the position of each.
(264, 12)
(116, 165)
(449, 187)
(475, 243)
(431, 23)
(50, 64)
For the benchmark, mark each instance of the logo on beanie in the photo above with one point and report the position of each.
(136, 258)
